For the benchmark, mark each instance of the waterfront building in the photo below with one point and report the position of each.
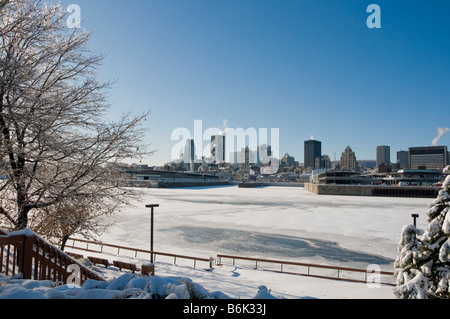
(428, 157)
(403, 177)
(140, 177)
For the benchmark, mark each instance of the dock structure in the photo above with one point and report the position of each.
(374, 190)
(166, 179)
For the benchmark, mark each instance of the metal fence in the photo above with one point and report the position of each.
(313, 270)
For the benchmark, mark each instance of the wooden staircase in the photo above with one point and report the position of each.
(27, 254)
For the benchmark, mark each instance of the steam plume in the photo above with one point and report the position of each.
(441, 132)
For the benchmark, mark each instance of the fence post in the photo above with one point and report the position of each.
(148, 270)
(26, 267)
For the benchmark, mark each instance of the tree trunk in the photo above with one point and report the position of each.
(64, 240)
(22, 218)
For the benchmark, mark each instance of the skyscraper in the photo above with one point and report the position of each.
(218, 148)
(323, 162)
(189, 153)
(313, 150)
(383, 155)
(402, 158)
(264, 154)
(348, 159)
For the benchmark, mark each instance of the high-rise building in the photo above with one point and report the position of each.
(218, 148)
(243, 156)
(189, 153)
(428, 157)
(313, 150)
(288, 160)
(348, 159)
(323, 162)
(403, 159)
(383, 155)
(264, 154)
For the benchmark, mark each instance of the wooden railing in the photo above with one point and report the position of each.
(28, 254)
(288, 267)
(98, 247)
(9, 254)
(336, 273)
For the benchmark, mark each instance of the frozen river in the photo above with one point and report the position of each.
(274, 222)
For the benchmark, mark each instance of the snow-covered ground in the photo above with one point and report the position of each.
(280, 223)
(283, 223)
(224, 282)
(274, 222)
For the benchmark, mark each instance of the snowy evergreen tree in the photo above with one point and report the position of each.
(422, 268)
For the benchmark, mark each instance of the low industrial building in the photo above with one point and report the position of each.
(403, 183)
(166, 179)
(403, 177)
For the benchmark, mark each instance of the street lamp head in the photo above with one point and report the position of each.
(152, 205)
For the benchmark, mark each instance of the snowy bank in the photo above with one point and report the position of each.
(126, 286)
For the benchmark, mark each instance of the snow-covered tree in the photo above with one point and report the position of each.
(61, 221)
(422, 268)
(56, 147)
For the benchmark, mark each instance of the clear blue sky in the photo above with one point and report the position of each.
(307, 67)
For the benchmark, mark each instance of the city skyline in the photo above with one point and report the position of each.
(305, 67)
(415, 158)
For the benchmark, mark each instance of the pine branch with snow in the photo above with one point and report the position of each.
(422, 268)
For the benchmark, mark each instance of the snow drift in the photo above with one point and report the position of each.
(126, 286)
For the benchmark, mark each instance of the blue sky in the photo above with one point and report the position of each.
(307, 67)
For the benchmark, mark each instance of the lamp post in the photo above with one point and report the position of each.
(152, 206)
(415, 216)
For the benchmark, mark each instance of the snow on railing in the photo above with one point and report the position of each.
(98, 247)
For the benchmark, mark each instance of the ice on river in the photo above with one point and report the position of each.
(285, 223)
